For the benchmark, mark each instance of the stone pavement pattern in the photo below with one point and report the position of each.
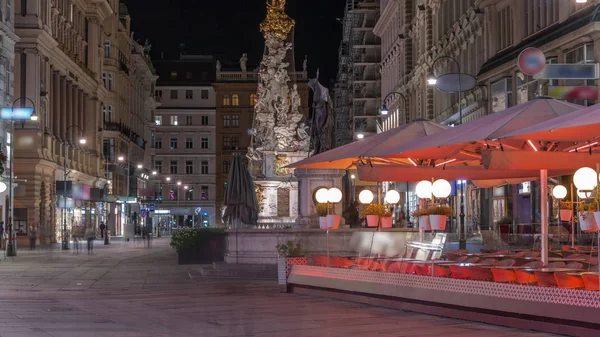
(127, 290)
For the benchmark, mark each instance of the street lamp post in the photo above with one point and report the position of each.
(22, 114)
(82, 141)
(462, 230)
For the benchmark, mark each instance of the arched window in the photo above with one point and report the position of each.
(226, 100)
(235, 99)
(252, 99)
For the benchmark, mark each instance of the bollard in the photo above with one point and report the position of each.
(107, 237)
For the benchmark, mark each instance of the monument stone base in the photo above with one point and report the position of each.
(309, 181)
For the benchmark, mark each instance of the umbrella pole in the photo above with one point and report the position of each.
(544, 213)
(572, 221)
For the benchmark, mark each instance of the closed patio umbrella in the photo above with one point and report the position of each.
(241, 205)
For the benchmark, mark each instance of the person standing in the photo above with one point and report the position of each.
(1, 233)
(401, 222)
(90, 236)
(352, 216)
(102, 229)
(32, 237)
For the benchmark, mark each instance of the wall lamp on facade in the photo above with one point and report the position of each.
(82, 141)
(154, 173)
(168, 178)
(121, 158)
(581, 1)
(179, 183)
(140, 166)
(384, 109)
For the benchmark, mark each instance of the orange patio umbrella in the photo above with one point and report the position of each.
(344, 157)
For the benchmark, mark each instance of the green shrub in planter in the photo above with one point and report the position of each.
(187, 238)
(289, 249)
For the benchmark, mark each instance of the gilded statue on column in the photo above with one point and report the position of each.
(277, 23)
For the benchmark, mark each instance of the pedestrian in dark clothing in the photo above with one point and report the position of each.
(32, 237)
(1, 233)
(352, 216)
(102, 229)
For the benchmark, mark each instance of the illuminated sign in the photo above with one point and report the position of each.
(589, 71)
(162, 211)
(525, 188)
(16, 113)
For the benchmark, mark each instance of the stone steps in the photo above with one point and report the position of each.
(224, 270)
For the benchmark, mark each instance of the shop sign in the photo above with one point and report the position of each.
(525, 188)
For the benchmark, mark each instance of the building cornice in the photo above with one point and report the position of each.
(387, 16)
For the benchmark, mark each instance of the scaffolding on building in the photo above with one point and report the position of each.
(358, 83)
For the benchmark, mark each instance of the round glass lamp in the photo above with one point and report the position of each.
(3, 187)
(392, 197)
(424, 189)
(365, 197)
(322, 195)
(559, 192)
(585, 179)
(582, 194)
(334, 195)
(441, 188)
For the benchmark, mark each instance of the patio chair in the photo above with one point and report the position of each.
(574, 265)
(566, 248)
(545, 279)
(488, 262)
(506, 263)
(555, 265)
(590, 281)
(461, 258)
(319, 260)
(593, 269)
(504, 275)
(439, 271)
(421, 269)
(481, 274)
(567, 281)
(532, 254)
(473, 259)
(342, 262)
(460, 272)
(526, 277)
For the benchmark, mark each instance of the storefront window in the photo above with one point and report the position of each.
(501, 94)
(580, 55)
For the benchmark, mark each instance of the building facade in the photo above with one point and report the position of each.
(126, 92)
(235, 91)
(485, 38)
(8, 39)
(184, 144)
(73, 61)
(57, 68)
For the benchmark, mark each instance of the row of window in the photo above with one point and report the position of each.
(234, 100)
(189, 94)
(174, 143)
(229, 143)
(189, 120)
(189, 167)
(188, 194)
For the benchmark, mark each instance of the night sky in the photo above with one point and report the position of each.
(228, 28)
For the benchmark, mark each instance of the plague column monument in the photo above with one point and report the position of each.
(278, 135)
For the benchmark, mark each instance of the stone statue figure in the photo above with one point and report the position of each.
(322, 121)
(305, 63)
(218, 65)
(243, 61)
(147, 47)
(295, 98)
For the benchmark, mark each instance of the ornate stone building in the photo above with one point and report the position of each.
(61, 69)
(485, 37)
(8, 38)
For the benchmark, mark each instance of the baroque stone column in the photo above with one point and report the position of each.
(62, 113)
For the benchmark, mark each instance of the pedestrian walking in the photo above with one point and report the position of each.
(90, 236)
(1, 233)
(102, 229)
(32, 237)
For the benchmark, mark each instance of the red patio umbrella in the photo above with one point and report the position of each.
(344, 157)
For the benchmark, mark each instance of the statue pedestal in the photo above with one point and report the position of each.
(279, 188)
(309, 181)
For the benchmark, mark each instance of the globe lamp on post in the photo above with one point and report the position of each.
(334, 196)
(559, 192)
(424, 189)
(585, 179)
(365, 197)
(441, 189)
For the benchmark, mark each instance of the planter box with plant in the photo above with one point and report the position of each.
(372, 212)
(588, 216)
(423, 217)
(566, 211)
(438, 216)
(386, 219)
(322, 213)
(199, 245)
(289, 254)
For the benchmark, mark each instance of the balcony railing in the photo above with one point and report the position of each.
(245, 76)
(127, 132)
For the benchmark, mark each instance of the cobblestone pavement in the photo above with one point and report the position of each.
(128, 290)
